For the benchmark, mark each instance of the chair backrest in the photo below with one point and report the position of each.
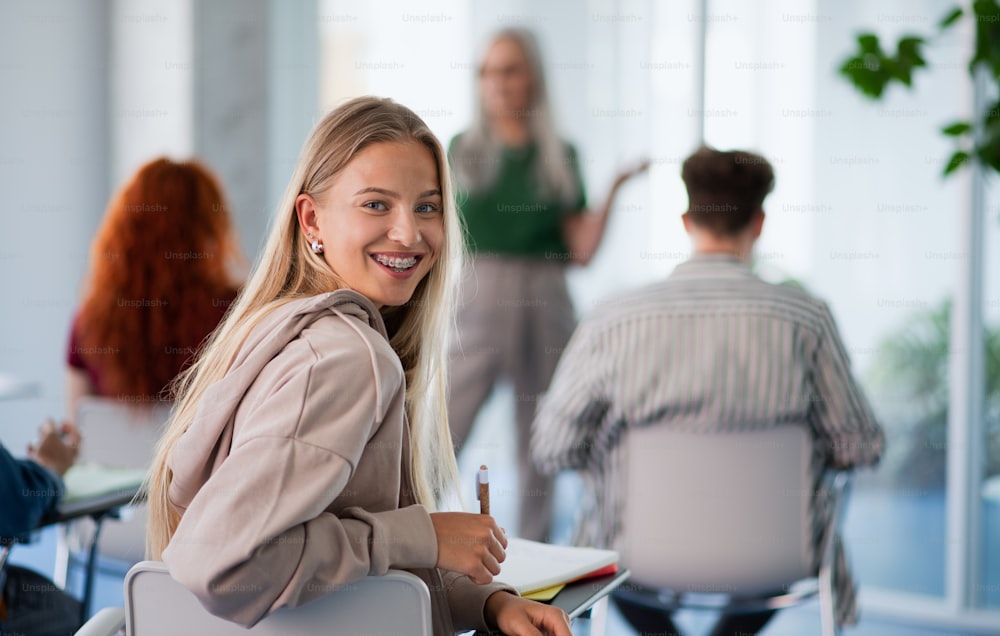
(396, 603)
(121, 434)
(717, 512)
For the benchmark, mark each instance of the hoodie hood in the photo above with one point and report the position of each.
(206, 443)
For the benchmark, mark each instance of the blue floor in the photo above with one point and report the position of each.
(795, 622)
(895, 540)
(801, 621)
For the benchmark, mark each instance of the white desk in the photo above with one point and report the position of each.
(12, 388)
(100, 499)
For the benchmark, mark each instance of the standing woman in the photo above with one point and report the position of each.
(162, 275)
(523, 201)
(310, 441)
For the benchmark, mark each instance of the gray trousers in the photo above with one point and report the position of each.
(514, 320)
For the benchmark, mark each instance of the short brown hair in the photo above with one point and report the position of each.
(725, 189)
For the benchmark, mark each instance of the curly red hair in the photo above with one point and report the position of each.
(163, 267)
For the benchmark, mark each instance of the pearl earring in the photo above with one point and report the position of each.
(316, 246)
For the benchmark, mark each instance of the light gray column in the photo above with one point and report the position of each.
(151, 82)
(230, 105)
(53, 188)
(293, 106)
(247, 52)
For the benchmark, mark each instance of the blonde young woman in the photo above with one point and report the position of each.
(310, 440)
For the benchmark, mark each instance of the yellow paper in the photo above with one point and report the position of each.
(547, 594)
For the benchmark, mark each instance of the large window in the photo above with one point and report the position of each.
(860, 216)
(988, 590)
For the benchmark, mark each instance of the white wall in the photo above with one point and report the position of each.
(152, 83)
(623, 80)
(886, 243)
(597, 57)
(53, 187)
(91, 90)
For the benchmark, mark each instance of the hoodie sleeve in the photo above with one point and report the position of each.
(467, 600)
(257, 535)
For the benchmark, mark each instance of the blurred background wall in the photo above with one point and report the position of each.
(91, 89)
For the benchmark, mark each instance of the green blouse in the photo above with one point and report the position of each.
(514, 217)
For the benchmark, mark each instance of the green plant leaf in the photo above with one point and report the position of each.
(957, 129)
(909, 383)
(951, 18)
(992, 114)
(986, 7)
(988, 151)
(909, 49)
(907, 58)
(868, 43)
(955, 162)
(987, 45)
(867, 73)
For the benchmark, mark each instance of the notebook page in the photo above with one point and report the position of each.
(533, 566)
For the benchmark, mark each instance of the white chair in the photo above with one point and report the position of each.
(117, 434)
(721, 521)
(157, 605)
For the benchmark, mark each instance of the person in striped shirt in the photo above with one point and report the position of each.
(712, 348)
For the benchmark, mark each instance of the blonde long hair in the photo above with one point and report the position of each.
(288, 269)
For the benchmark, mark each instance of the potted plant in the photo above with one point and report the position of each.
(909, 380)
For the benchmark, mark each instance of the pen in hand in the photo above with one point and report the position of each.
(483, 490)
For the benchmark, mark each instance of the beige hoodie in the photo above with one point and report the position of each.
(293, 478)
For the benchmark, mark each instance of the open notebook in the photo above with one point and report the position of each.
(532, 566)
(84, 481)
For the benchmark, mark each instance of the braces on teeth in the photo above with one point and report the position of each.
(398, 264)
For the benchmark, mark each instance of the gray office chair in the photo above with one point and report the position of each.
(119, 434)
(397, 603)
(721, 521)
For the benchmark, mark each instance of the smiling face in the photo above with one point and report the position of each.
(381, 222)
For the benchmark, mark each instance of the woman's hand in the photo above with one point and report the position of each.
(584, 232)
(516, 616)
(469, 543)
(628, 173)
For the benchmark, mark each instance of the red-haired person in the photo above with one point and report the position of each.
(163, 272)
